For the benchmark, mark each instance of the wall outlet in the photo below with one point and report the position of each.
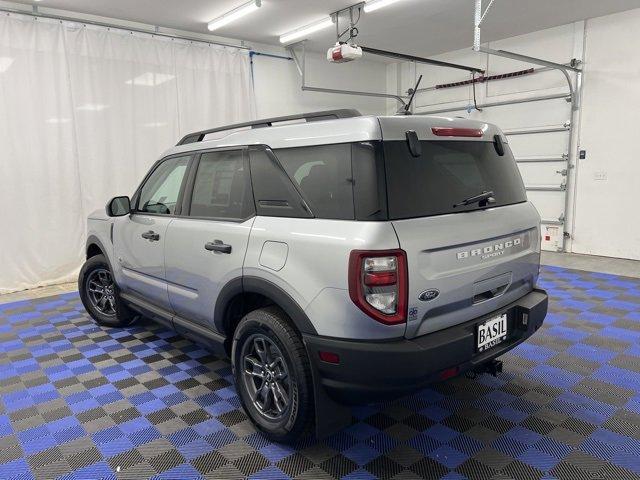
(600, 175)
(551, 238)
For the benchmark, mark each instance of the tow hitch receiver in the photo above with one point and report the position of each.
(493, 367)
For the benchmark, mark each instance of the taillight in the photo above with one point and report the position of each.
(457, 132)
(378, 284)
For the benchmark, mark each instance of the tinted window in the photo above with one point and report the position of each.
(369, 190)
(323, 175)
(445, 174)
(274, 194)
(221, 187)
(160, 192)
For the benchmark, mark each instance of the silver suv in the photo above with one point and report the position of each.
(336, 258)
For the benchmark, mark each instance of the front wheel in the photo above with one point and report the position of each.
(100, 295)
(273, 375)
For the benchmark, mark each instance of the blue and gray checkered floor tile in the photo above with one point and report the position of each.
(78, 401)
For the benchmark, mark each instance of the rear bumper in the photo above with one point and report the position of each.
(373, 371)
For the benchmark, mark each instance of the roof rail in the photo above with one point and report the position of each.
(268, 122)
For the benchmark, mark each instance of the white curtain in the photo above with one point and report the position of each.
(84, 112)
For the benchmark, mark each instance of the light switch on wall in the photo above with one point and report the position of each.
(600, 175)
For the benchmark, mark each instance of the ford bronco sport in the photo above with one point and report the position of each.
(336, 258)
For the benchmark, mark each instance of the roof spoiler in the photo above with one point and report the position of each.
(268, 122)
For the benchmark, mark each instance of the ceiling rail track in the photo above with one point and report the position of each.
(155, 32)
(300, 61)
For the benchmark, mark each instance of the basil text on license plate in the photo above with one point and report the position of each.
(492, 332)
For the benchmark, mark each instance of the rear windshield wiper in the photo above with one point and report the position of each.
(483, 199)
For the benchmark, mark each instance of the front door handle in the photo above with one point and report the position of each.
(217, 246)
(151, 235)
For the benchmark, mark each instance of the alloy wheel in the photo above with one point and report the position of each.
(266, 376)
(101, 291)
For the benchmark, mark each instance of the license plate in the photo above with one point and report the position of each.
(492, 332)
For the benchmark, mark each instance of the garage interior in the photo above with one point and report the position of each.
(93, 91)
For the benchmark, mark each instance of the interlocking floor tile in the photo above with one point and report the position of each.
(79, 401)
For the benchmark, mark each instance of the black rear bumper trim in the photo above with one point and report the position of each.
(373, 371)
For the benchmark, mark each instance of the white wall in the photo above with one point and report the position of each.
(278, 92)
(607, 220)
(597, 218)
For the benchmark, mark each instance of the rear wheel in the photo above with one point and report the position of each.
(272, 375)
(100, 295)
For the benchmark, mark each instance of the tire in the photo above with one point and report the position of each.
(271, 328)
(115, 313)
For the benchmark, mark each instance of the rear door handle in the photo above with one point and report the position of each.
(217, 246)
(151, 235)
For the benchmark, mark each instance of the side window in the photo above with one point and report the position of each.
(221, 188)
(369, 189)
(323, 174)
(273, 191)
(160, 192)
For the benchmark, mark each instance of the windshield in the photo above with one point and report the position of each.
(447, 173)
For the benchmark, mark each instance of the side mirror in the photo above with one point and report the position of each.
(118, 206)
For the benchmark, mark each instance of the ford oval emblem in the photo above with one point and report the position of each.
(429, 295)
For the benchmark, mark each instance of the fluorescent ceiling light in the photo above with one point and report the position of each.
(373, 5)
(150, 79)
(306, 30)
(92, 107)
(56, 120)
(234, 14)
(5, 63)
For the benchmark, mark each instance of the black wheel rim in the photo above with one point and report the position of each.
(101, 291)
(266, 376)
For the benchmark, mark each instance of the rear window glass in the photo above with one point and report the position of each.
(447, 173)
(323, 175)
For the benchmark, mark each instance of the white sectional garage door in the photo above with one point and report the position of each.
(539, 132)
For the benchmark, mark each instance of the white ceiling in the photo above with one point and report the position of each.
(419, 27)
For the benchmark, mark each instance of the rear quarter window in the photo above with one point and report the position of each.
(324, 177)
(273, 190)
